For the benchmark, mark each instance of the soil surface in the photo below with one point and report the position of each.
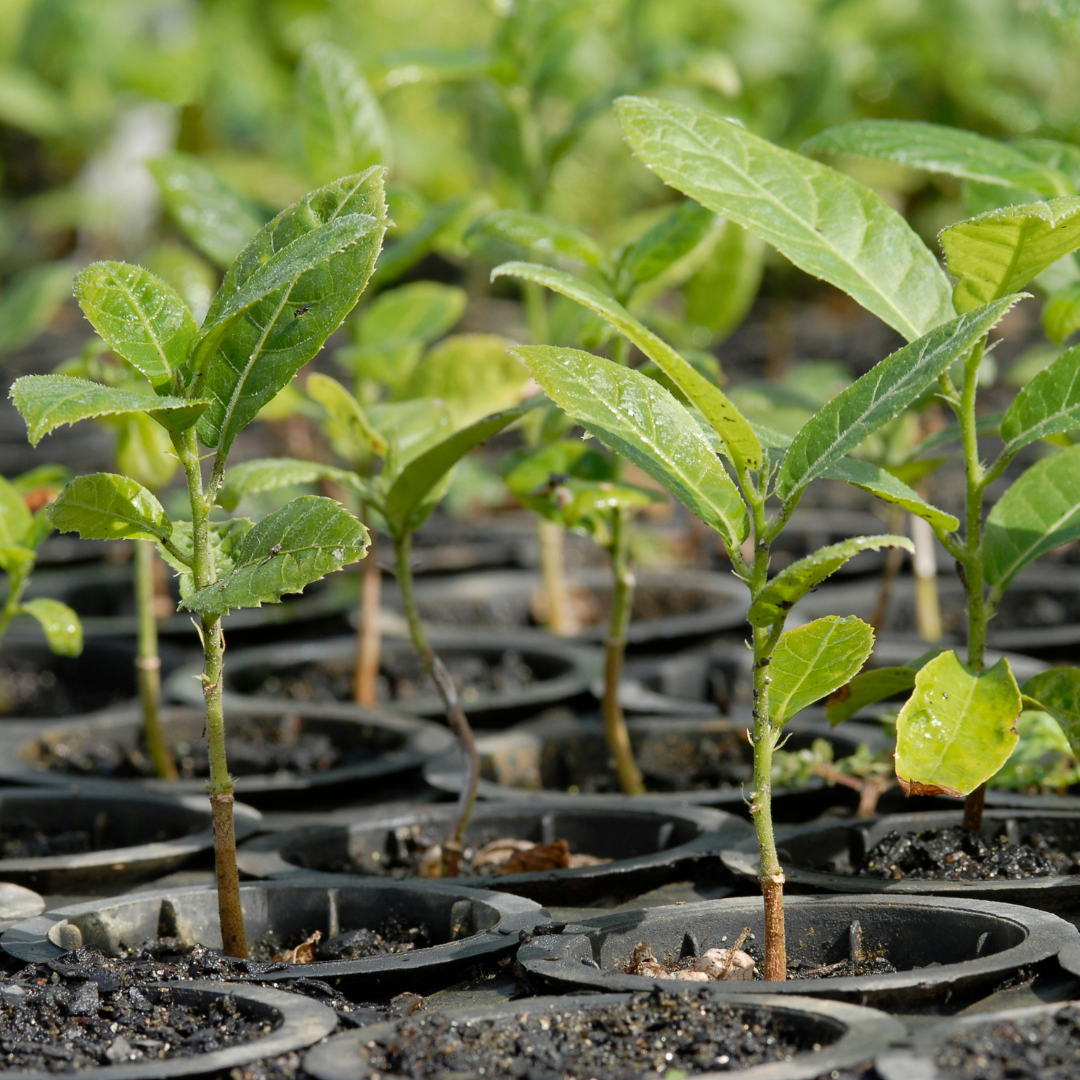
(26, 691)
(657, 1034)
(31, 843)
(954, 854)
(1045, 1048)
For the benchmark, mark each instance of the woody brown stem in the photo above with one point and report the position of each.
(233, 936)
(973, 809)
(772, 890)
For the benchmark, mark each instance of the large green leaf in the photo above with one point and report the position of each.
(48, 401)
(344, 127)
(811, 661)
(880, 395)
(15, 516)
(958, 727)
(140, 317)
(345, 425)
(422, 311)
(940, 149)
(61, 625)
(795, 581)
(263, 350)
(30, 301)
(1000, 252)
(286, 551)
(639, 419)
(1040, 511)
(669, 240)
(269, 474)
(882, 483)
(104, 506)
(733, 428)
(1058, 692)
(823, 221)
(511, 233)
(1047, 405)
(218, 221)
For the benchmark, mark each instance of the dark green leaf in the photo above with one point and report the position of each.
(1047, 405)
(104, 506)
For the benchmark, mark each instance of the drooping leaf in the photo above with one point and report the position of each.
(638, 418)
(144, 451)
(671, 238)
(958, 727)
(1058, 692)
(811, 661)
(218, 221)
(1061, 313)
(1038, 512)
(302, 542)
(868, 688)
(15, 516)
(1000, 252)
(263, 350)
(880, 395)
(343, 124)
(140, 317)
(61, 625)
(513, 234)
(940, 149)
(269, 474)
(795, 581)
(882, 483)
(422, 311)
(104, 506)
(823, 221)
(733, 428)
(1047, 405)
(346, 426)
(30, 302)
(48, 401)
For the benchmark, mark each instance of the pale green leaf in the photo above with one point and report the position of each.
(880, 395)
(638, 418)
(104, 506)
(882, 483)
(1061, 313)
(289, 549)
(144, 451)
(720, 294)
(423, 312)
(811, 661)
(345, 425)
(30, 302)
(61, 625)
(672, 238)
(511, 234)
(868, 688)
(823, 221)
(15, 516)
(17, 560)
(1058, 692)
(958, 727)
(1047, 405)
(269, 474)
(410, 427)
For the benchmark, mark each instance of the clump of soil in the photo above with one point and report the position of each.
(955, 854)
(391, 938)
(30, 843)
(1041, 1048)
(654, 1034)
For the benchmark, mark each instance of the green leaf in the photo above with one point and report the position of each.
(1038, 512)
(1058, 693)
(17, 559)
(882, 483)
(811, 661)
(513, 233)
(144, 451)
(343, 124)
(226, 537)
(63, 631)
(733, 428)
(423, 311)
(104, 506)
(1061, 313)
(286, 551)
(795, 581)
(1047, 405)
(674, 236)
(958, 727)
(218, 221)
(48, 401)
(410, 427)
(1002, 251)
(270, 474)
(823, 221)
(15, 516)
(880, 395)
(720, 294)
(638, 418)
(348, 429)
(867, 688)
(30, 302)
(140, 317)
(942, 150)
(286, 327)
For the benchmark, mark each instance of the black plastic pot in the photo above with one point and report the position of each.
(446, 545)
(468, 926)
(647, 846)
(561, 672)
(948, 952)
(807, 853)
(849, 1034)
(373, 747)
(135, 835)
(561, 756)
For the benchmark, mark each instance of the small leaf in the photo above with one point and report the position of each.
(48, 401)
(15, 516)
(638, 418)
(883, 484)
(144, 451)
(1061, 313)
(823, 221)
(423, 311)
(1047, 405)
(1039, 512)
(1058, 692)
(31, 301)
(270, 474)
(61, 625)
(513, 234)
(1000, 252)
(795, 581)
(880, 395)
(226, 537)
(104, 506)
(140, 317)
(811, 661)
(346, 426)
(958, 727)
(868, 688)
(286, 551)
(674, 236)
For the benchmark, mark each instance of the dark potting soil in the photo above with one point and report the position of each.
(954, 854)
(1042, 1048)
(28, 692)
(30, 843)
(658, 1033)
(391, 938)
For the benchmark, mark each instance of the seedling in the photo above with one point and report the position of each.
(205, 385)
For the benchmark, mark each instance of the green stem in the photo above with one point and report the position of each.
(536, 311)
(17, 582)
(148, 663)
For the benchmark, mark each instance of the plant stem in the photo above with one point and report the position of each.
(17, 581)
(536, 312)
(368, 636)
(618, 738)
(455, 839)
(148, 663)
(559, 614)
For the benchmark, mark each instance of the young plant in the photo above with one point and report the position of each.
(286, 292)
